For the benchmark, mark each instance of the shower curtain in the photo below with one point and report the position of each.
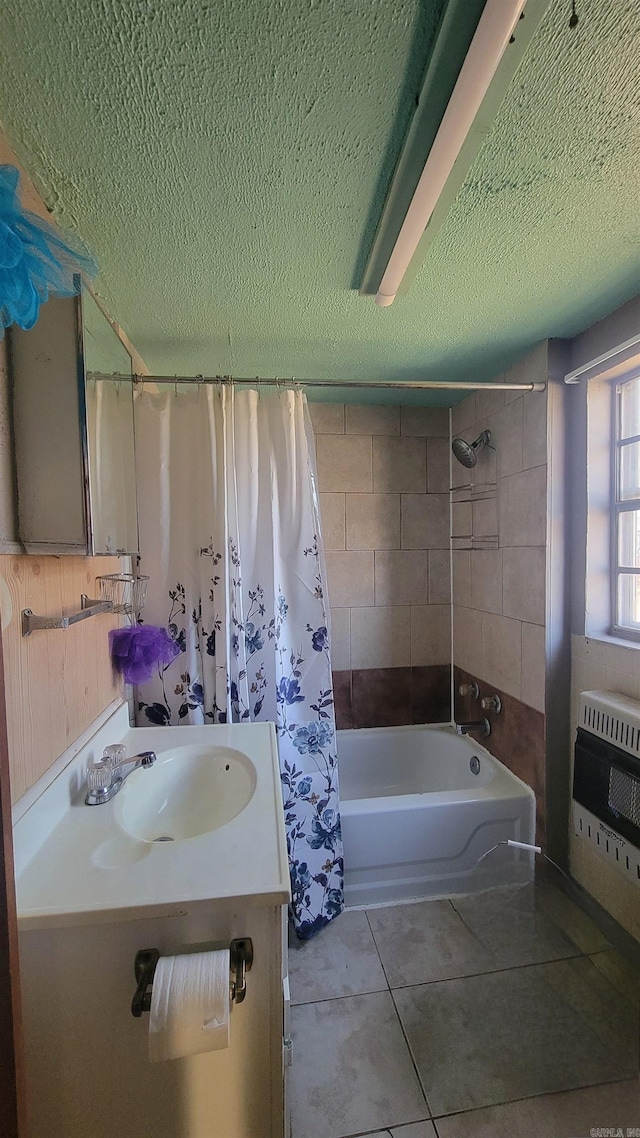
(230, 538)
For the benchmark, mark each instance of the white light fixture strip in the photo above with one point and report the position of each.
(495, 28)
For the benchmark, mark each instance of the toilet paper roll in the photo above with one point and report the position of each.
(189, 1005)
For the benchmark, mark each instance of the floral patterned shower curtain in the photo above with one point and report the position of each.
(230, 537)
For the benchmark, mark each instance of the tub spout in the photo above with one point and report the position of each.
(481, 725)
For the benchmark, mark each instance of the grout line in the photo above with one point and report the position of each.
(529, 1098)
(368, 1133)
(413, 1060)
(375, 945)
(488, 972)
(344, 996)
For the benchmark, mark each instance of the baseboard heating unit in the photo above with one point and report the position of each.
(606, 779)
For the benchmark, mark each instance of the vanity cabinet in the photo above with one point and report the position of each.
(74, 441)
(88, 1070)
(91, 894)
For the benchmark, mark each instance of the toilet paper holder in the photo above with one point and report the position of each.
(240, 961)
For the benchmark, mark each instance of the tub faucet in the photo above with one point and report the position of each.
(481, 725)
(104, 778)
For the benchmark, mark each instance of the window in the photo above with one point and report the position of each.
(625, 559)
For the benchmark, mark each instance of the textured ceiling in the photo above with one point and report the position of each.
(227, 162)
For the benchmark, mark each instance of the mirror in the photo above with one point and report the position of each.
(73, 422)
(110, 441)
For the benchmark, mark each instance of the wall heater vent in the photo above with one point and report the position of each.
(606, 785)
(607, 843)
(612, 717)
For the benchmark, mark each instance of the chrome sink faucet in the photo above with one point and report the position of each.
(105, 776)
(481, 725)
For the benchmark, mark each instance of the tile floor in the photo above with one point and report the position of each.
(505, 1015)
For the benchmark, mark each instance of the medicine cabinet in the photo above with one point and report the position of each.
(73, 426)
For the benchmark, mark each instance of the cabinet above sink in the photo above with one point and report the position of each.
(74, 440)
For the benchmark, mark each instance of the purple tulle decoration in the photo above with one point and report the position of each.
(136, 650)
(34, 259)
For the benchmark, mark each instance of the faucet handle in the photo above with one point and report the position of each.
(99, 774)
(471, 689)
(115, 754)
(491, 703)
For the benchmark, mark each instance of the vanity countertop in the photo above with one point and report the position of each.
(76, 864)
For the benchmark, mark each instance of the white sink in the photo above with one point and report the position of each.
(214, 789)
(189, 791)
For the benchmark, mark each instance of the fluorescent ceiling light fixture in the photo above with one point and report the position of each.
(482, 81)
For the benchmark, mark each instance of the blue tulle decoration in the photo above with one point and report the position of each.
(34, 260)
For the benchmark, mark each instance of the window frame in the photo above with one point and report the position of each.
(620, 506)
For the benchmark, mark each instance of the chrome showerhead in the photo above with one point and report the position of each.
(466, 453)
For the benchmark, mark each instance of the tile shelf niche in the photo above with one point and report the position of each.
(470, 493)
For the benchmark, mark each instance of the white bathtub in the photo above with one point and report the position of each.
(416, 819)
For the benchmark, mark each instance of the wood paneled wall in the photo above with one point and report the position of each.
(57, 681)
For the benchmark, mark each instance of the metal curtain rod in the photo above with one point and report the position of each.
(418, 385)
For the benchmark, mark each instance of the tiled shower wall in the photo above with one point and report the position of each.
(384, 496)
(499, 593)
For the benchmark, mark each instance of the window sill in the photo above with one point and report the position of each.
(607, 638)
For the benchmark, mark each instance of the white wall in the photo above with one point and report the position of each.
(601, 664)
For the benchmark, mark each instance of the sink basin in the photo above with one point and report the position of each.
(188, 791)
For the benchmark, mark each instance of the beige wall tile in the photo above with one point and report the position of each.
(350, 578)
(366, 419)
(381, 637)
(373, 521)
(332, 510)
(425, 521)
(485, 518)
(439, 576)
(399, 465)
(506, 436)
(534, 437)
(428, 422)
(523, 508)
(401, 577)
(327, 418)
(488, 402)
(502, 653)
(624, 682)
(524, 583)
(344, 463)
(533, 666)
(430, 635)
(461, 561)
(486, 580)
(438, 467)
(463, 414)
(467, 639)
(462, 519)
(340, 639)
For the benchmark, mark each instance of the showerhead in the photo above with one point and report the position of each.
(466, 453)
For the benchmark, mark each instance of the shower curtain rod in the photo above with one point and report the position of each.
(381, 385)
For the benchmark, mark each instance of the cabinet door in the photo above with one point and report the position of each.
(48, 416)
(73, 425)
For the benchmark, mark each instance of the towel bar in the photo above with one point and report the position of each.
(240, 961)
(31, 622)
